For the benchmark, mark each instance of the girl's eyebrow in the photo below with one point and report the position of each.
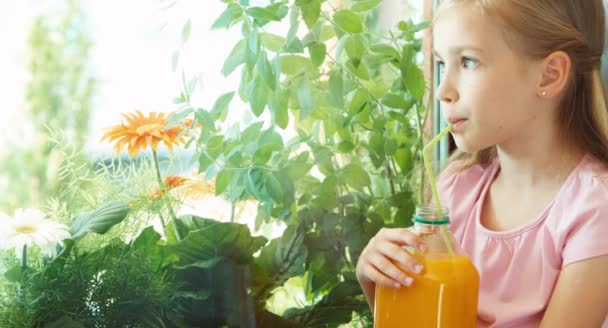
(458, 50)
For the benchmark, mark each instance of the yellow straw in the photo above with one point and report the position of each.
(431, 174)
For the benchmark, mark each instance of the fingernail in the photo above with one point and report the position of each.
(396, 285)
(418, 268)
(409, 281)
(422, 247)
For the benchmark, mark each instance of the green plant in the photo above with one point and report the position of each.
(354, 96)
(59, 97)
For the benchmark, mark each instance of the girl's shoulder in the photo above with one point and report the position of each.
(587, 187)
(589, 178)
(580, 214)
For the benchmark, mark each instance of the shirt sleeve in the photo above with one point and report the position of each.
(586, 235)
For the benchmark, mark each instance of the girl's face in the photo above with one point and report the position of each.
(488, 91)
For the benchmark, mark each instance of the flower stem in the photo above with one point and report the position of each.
(163, 189)
(24, 258)
(162, 219)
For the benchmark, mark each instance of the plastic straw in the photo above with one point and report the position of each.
(431, 175)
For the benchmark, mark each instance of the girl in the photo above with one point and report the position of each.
(528, 190)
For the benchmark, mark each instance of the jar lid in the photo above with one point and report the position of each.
(444, 220)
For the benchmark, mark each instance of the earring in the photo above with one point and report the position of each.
(543, 93)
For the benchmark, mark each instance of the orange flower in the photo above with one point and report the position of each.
(194, 188)
(171, 182)
(140, 132)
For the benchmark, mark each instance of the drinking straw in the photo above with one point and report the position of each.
(431, 174)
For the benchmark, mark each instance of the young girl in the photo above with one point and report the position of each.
(528, 191)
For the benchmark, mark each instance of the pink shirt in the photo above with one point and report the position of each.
(519, 268)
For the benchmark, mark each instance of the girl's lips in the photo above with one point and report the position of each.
(457, 125)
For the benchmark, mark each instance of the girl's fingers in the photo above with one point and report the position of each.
(400, 255)
(402, 236)
(380, 263)
(380, 279)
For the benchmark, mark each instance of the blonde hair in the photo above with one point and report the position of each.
(540, 27)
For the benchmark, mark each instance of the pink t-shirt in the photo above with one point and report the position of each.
(519, 268)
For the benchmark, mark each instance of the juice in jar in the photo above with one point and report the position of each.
(444, 295)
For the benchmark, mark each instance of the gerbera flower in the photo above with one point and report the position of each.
(171, 182)
(30, 227)
(139, 132)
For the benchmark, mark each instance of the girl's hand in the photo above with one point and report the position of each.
(375, 266)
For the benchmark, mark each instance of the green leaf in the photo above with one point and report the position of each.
(327, 32)
(358, 102)
(294, 46)
(327, 197)
(253, 181)
(251, 132)
(221, 104)
(355, 47)
(403, 157)
(355, 176)
(272, 42)
(147, 244)
(414, 81)
(228, 17)
(265, 70)
(100, 220)
(294, 64)
(359, 71)
(262, 15)
(284, 257)
(385, 50)
(146, 239)
(222, 181)
(306, 99)
(345, 147)
(390, 146)
(399, 117)
(214, 242)
(420, 26)
(298, 168)
(175, 60)
(336, 89)
(178, 117)
(278, 107)
(333, 310)
(64, 322)
(14, 274)
(258, 97)
(376, 142)
(263, 154)
(317, 52)
(394, 101)
(311, 12)
(274, 187)
(235, 58)
(186, 31)
(366, 5)
(253, 49)
(349, 21)
(323, 158)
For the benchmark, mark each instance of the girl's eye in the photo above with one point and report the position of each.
(469, 62)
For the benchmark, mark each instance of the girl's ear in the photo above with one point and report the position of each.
(555, 70)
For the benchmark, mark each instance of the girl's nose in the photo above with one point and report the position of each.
(446, 92)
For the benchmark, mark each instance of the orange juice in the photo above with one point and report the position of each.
(445, 296)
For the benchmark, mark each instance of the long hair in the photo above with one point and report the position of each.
(538, 28)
